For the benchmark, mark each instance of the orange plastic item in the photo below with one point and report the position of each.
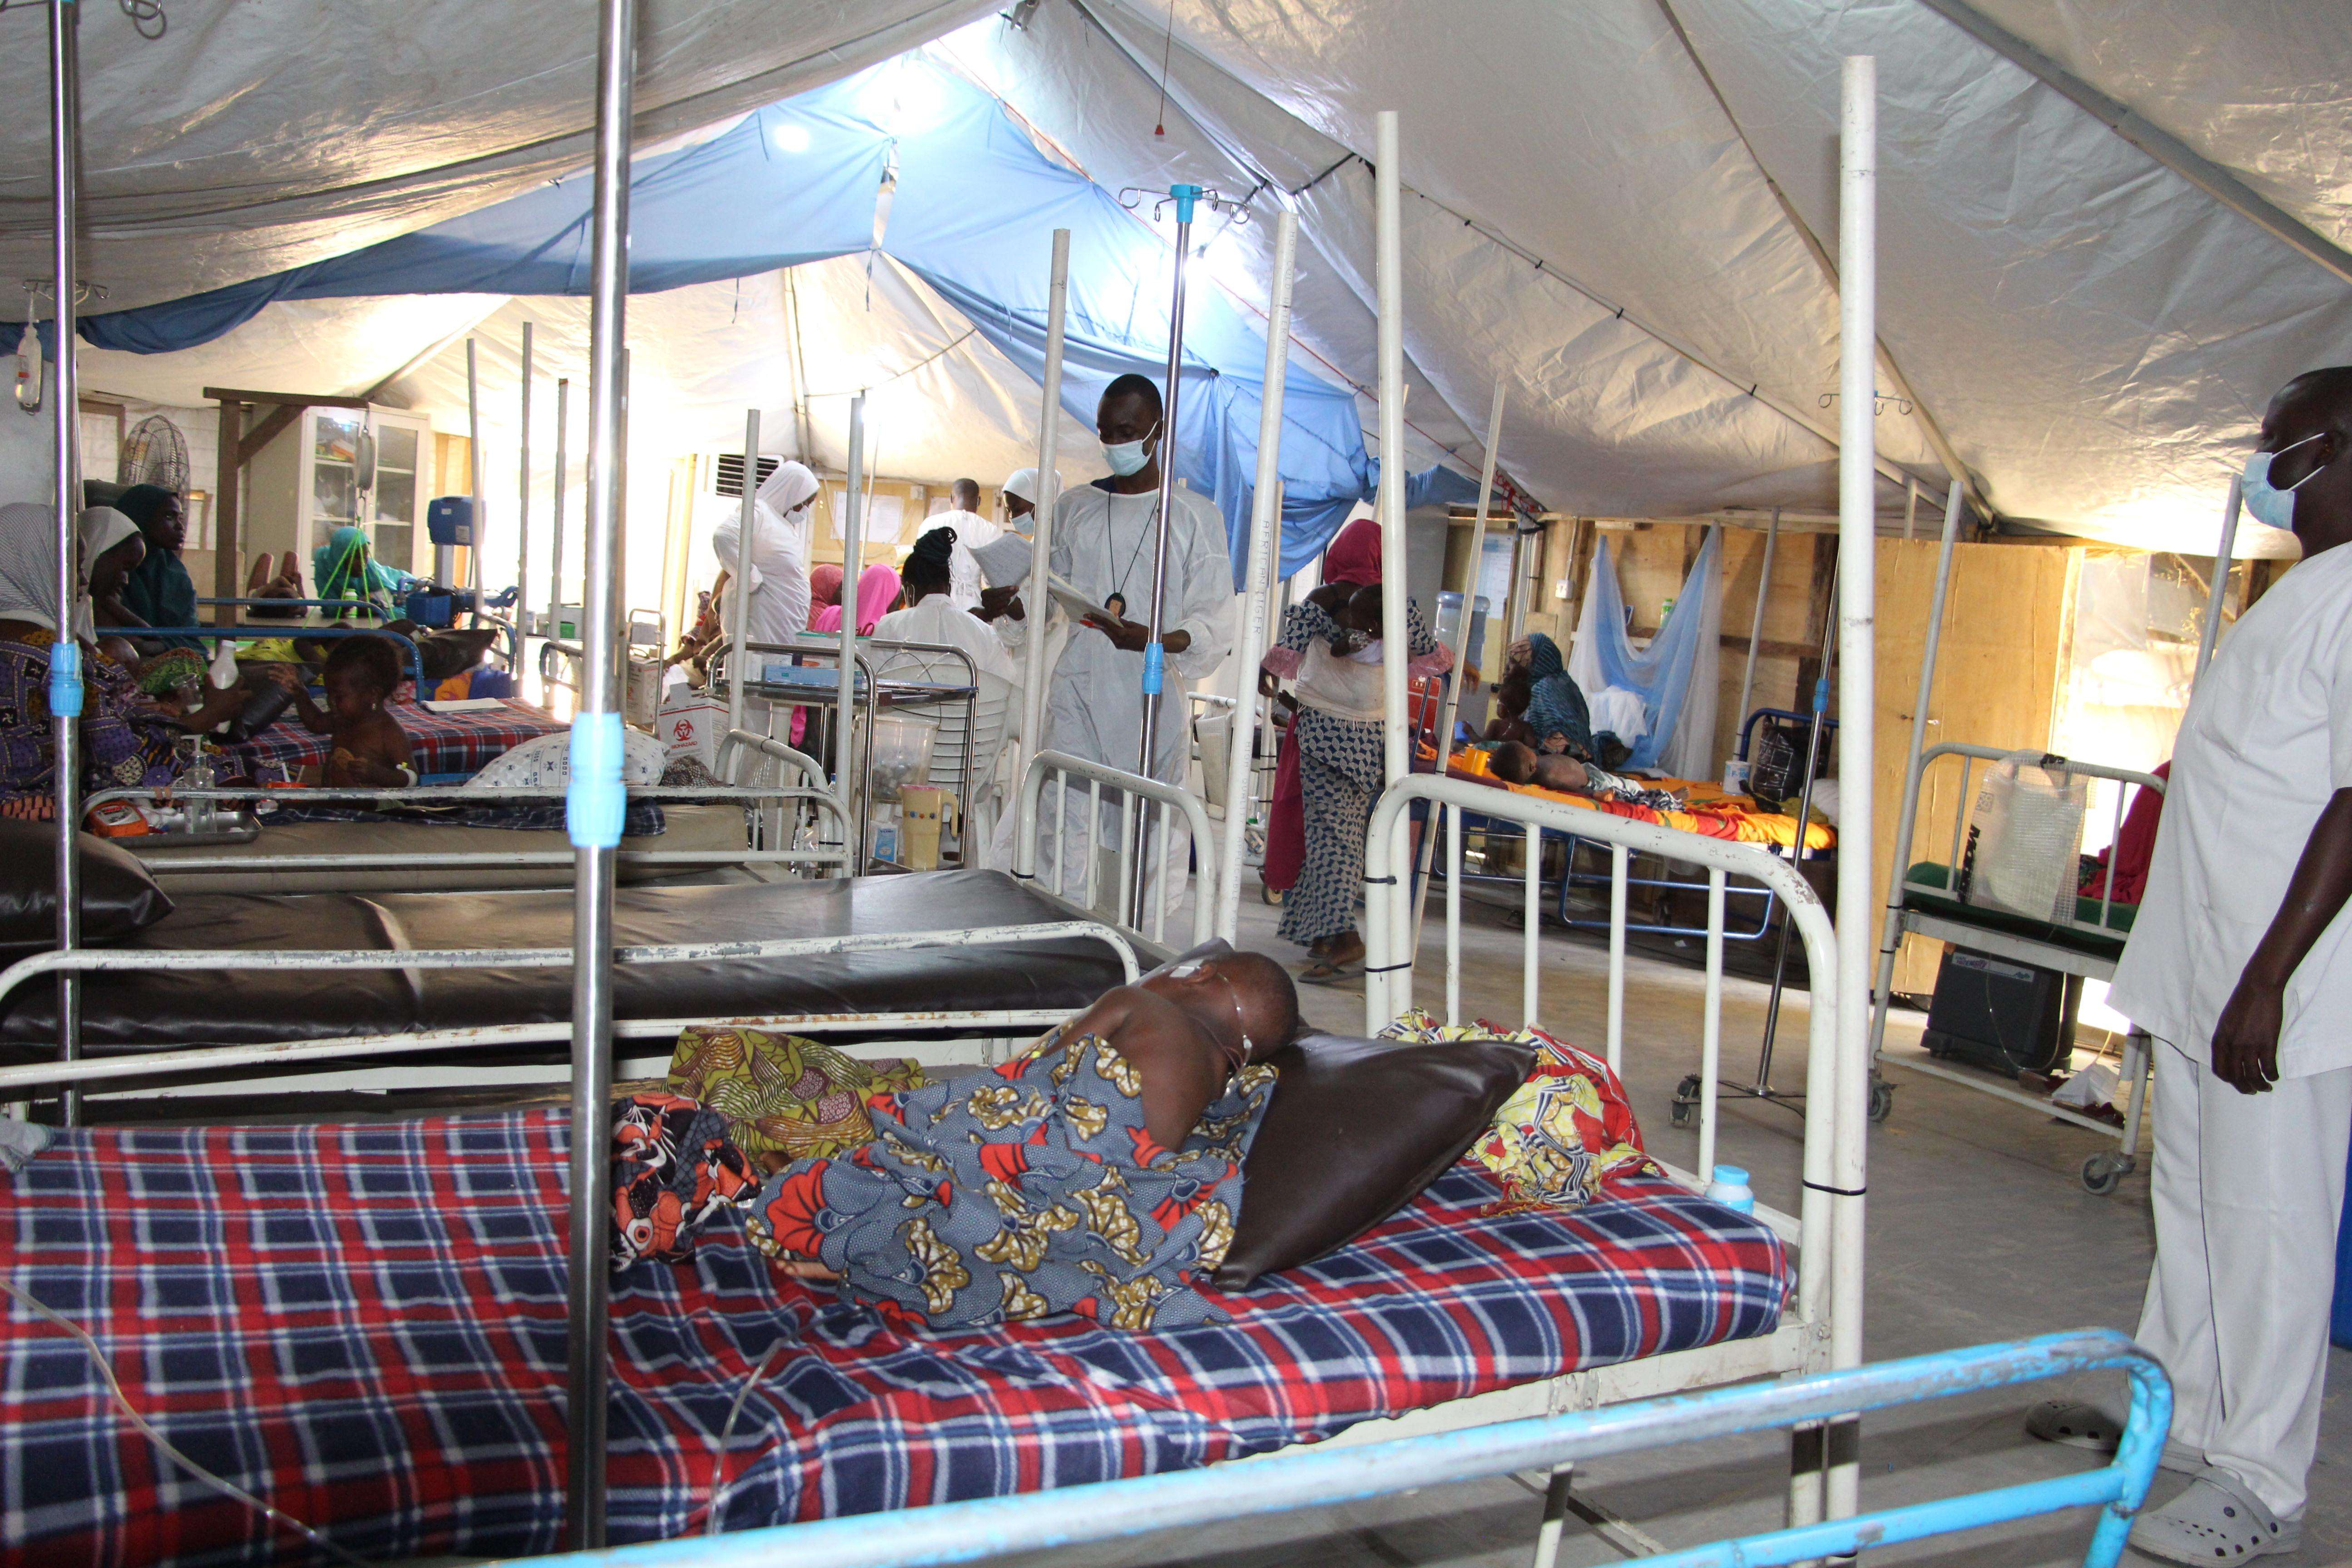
(116, 819)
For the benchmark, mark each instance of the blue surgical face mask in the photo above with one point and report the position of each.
(2269, 503)
(1127, 457)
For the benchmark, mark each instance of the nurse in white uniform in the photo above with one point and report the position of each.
(971, 531)
(777, 566)
(2240, 963)
(1103, 547)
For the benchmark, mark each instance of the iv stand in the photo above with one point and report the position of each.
(1688, 1092)
(1186, 197)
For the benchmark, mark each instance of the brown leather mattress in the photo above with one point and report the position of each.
(164, 1009)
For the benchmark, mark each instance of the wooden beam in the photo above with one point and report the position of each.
(320, 399)
(250, 444)
(225, 581)
(1768, 649)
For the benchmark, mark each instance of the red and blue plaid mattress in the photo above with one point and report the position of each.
(364, 1325)
(441, 742)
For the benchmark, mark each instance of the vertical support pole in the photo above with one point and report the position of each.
(1041, 547)
(1890, 940)
(1755, 620)
(1266, 543)
(1396, 758)
(555, 543)
(522, 524)
(64, 693)
(2221, 590)
(1154, 656)
(474, 471)
(1857, 667)
(596, 801)
(1621, 873)
(228, 583)
(1452, 700)
(1710, 1039)
(739, 586)
(1910, 506)
(844, 728)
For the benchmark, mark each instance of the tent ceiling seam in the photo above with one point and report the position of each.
(1885, 467)
(2157, 143)
(1929, 425)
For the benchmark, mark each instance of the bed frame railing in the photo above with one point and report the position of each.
(1313, 1478)
(781, 808)
(14, 1081)
(1136, 795)
(1827, 1230)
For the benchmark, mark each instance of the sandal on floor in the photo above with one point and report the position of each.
(2080, 1425)
(2217, 1521)
(1322, 971)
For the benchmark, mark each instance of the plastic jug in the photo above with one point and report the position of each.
(900, 754)
(1730, 1189)
(923, 811)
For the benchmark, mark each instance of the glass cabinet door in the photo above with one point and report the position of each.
(334, 472)
(393, 510)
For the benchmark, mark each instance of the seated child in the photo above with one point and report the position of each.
(1515, 764)
(1512, 692)
(370, 748)
(1096, 1173)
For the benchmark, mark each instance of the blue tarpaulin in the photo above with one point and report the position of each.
(970, 204)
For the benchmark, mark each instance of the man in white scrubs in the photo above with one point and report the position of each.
(973, 531)
(2241, 965)
(1103, 546)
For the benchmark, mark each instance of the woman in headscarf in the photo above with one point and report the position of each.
(125, 741)
(877, 593)
(776, 565)
(1329, 646)
(158, 592)
(346, 568)
(824, 586)
(1557, 713)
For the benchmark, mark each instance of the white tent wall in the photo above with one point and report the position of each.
(252, 138)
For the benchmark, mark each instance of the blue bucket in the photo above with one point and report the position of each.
(2342, 1333)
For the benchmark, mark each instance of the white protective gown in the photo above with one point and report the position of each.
(972, 532)
(1102, 545)
(777, 567)
(937, 619)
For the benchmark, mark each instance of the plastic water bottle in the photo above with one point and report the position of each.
(223, 669)
(1729, 1187)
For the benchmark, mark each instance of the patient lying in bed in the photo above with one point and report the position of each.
(1514, 764)
(1096, 1173)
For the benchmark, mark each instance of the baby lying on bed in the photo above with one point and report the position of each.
(1514, 764)
(1096, 1173)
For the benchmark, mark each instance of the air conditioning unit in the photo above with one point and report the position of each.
(725, 471)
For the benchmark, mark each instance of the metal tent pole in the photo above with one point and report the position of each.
(844, 716)
(555, 545)
(65, 403)
(739, 591)
(1265, 543)
(1452, 700)
(1755, 621)
(595, 800)
(1388, 972)
(1041, 538)
(2220, 589)
(474, 471)
(1890, 941)
(522, 522)
(1857, 638)
(1154, 656)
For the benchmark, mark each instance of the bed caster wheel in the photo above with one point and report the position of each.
(2103, 1173)
(1685, 1100)
(1881, 1100)
(1271, 895)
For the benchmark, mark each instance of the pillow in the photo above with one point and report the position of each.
(1355, 1130)
(1567, 1134)
(118, 898)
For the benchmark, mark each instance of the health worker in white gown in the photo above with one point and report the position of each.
(778, 562)
(1102, 546)
(972, 532)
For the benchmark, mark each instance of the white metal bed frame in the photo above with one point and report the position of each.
(1821, 1328)
(2102, 1172)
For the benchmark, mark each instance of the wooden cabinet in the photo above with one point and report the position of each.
(307, 482)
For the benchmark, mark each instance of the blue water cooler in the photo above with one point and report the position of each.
(449, 520)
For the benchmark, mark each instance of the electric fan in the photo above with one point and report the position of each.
(155, 453)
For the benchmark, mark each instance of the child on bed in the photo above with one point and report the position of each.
(1515, 764)
(370, 748)
(1096, 1173)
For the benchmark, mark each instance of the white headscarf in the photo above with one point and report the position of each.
(28, 564)
(776, 565)
(101, 528)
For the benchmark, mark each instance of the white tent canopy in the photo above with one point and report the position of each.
(1612, 209)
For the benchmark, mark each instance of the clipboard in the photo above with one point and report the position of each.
(1075, 604)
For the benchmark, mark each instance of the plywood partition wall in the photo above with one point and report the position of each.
(2006, 629)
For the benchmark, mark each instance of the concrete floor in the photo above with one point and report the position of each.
(1979, 1230)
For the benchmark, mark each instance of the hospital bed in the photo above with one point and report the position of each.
(1459, 1313)
(772, 810)
(1923, 902)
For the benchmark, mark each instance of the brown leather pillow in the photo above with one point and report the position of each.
(1356, 1130)
(118, 898)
